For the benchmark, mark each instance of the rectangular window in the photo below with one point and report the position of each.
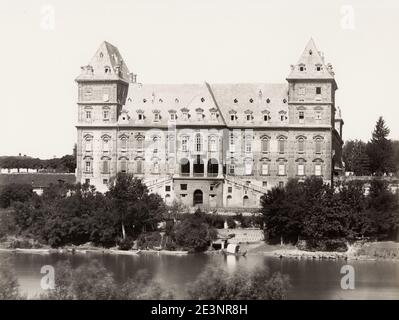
(87, 181)
(211, 187)
(183, 187)
(140, 116)
(156, 117)
(139, 166)
(232, 168)
(106, 146)
(88, 145)
(167, 188)
(105, 181)
(232, 147)
(232, 117)
(88, 115)
(105, 114)
(318, 115)
(281, 184)
(265, 117)
(265, 169)
(248, 145)
(229, 189)
(124, 144)
(301, 169)
(318, 90)
(281, 169)
(318, 146)
(317, 170)
(248, 168)
(249, 117)
(88, 166)
(264, 184)
(173, 116)
(281, 145)
(184, 144)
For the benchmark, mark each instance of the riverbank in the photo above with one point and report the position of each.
(370, 251)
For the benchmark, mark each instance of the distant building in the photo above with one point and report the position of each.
(208, 145)
(38, 181)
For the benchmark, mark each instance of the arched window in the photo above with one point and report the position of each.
(248, 144)
(184, 143)
(198, 167)
(155, 167)
(106, 144)
(123, 167)
(124, 143)
(318, 143)
(139, 166)
(184, 167)
(88, 144)
(156, 143)
(105, 166)
(301, 145)
(281, 144)
(213, 168)
(232, 167)
(264, 168)
(213, 144)
(198, 142)
(265, 144)
(248, 167)
(140, 143)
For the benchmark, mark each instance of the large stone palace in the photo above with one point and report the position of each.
(209, 145)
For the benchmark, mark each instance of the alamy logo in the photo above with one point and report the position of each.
(47, 281)
(348, 280)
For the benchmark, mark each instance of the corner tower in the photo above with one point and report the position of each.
(102, 90)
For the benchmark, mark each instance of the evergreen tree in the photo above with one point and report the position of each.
(380, 150)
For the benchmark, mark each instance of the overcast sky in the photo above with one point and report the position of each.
(44, 43)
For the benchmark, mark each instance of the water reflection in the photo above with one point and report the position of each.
(310, 279)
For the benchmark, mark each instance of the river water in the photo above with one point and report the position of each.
(309, 279)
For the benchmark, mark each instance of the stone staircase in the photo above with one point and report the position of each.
(151, 183)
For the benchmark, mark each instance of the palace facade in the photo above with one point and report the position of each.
(208, 145)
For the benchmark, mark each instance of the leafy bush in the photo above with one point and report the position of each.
(9, 287)
(149, 240)
(126, 244)
(216, 284)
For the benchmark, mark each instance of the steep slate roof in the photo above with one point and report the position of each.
(106, 55)
(254, 98)
(167, 98)
(309, 59)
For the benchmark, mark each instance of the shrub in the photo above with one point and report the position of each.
(126, 244)
(149, 240)
(9, 287)
(216, 284)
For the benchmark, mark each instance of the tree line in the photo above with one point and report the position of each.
(319, 212)
(379, 156)
(66, 163)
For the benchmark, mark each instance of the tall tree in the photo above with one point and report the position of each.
(356, 158)
(380, 150)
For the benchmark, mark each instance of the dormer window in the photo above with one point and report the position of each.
(200, 113)
(157, 116)
(283, 115)
(232, 115)
(202, 99)
(248, 115)
(185, 114)
(318, 90)
(301, 116)
(267, 100)
(266, 115)
(251, 100)
(88, 114)
(235, 100)
(173, 117)
(107, 69)
(302, 67)
(140, 115)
